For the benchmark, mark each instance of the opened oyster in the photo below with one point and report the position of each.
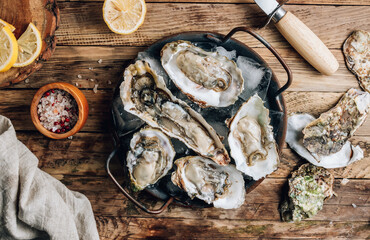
(150, 157)
(205, 77)
(222, 186)
(327, 134)
(309, 187)
(294, 137)
(356, 50)
(251, 140)
(145, 95)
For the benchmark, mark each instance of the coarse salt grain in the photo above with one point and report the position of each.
(57, 111)
(354, 205)
(76, 84)
(95, 89)
(344, 181)
(100, 61)
(79, 76)
(27, 80)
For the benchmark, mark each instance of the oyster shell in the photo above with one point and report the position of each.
(309, 187)
(205, 77)
(294, 137)
(251, 140)
(145, 95)
(327, 134)
(150, 157)
(222, 186)
(356, 50)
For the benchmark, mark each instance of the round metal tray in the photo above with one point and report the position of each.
(126, 124)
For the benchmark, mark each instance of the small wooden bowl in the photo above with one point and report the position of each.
(83, 109)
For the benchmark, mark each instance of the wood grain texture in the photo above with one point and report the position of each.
(70, 61)
(205, 17)
(308, 2)
(45, 15)
(144, 228)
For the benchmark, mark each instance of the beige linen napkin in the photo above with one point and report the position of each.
(33, 204)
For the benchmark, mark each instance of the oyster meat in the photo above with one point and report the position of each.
(327, 134)
(150, 157)
(222, 186)
(356, 50)
(309, 187)
(294, 137)
(145, 95)
(205, 77)
(251, 140)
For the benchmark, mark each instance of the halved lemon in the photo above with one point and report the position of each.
(29, 46)
(8, 48)
(11, 27)
(124, 16)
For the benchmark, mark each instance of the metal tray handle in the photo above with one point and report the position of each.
(131, 198)
(272, 50)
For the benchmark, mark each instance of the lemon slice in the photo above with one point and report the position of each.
(124, 16)
(8, 48)
(11, 27)
(29, 46)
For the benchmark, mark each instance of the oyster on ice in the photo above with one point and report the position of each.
(150, 157)
(145, 95)
(222, 186)
(205, 77)
(309, 187)
(356, 50)
(251, 140)
(327, 134)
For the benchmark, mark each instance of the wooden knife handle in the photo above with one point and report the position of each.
(307, 44)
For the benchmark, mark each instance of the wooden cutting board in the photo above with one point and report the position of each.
(45, 15)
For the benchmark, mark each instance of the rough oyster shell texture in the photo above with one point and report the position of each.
(205, 77)
(294, 137)
(145, 95)
(327, 134)
(222, 186)
(150, 157)
(251, 140)
(356, 50)
(309, 187)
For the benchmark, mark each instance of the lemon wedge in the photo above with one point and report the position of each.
(29, 46)
(8, 48)
(11, 27)
(124, 16)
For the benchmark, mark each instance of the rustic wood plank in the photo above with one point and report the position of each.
(205, 17)
(261, 204)
(308, 2)
(14, 104)
(86, 154)
(70, 61)
(140, 228)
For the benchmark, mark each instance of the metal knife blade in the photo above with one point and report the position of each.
(268, 6)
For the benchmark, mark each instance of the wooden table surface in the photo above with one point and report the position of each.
(83, 39)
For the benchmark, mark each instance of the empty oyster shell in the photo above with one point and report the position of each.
(222, 186)
(356, 50)
(251, 140)
(327, 134)
(294, 137)
(205, 77)
(150, 157)
(309, 187)
(145, 95)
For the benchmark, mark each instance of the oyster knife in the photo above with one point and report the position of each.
(305, 42)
